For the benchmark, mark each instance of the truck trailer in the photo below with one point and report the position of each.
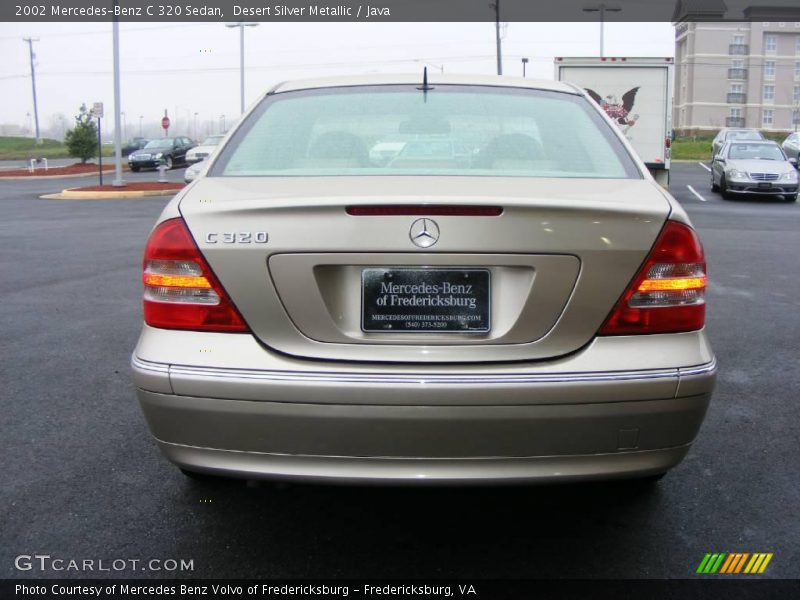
(636, 94)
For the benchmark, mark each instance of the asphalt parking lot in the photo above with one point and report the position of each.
(82, 478)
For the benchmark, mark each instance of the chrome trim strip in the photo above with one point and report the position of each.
(420, 378)
(145, 365)
(709, 367)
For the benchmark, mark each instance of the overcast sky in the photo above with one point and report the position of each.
(194, 67)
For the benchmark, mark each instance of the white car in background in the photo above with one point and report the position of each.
(204, 150)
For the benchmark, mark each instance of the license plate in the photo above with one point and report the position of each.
(764, 186)
(417, 300)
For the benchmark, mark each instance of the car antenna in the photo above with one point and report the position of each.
(425, 87)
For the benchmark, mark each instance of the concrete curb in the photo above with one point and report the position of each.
(38, 177)
(73, 194)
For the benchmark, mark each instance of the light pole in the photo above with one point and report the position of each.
(602, 9)
(124, 124)
(241, 25)
(195, 125)
(222, 123)
(524, 64)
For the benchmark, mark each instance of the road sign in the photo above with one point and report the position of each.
(165, 123)
(97, 110)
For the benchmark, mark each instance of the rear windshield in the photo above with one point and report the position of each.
(450, 130)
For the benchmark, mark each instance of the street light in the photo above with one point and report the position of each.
(602, 9)
(241, 25)
(524, 64)
(195, 125)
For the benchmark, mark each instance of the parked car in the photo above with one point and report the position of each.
(759, 168)
(204, 150)
(732, 133)
(535, 315)
(791, 146)
(193, 170)
(133, 145)
(170, 151)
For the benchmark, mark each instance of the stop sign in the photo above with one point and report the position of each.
(165, 123)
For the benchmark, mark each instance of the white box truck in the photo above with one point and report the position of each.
(636, 94)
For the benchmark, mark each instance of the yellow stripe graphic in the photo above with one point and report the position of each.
(751, 564)
(765, 563)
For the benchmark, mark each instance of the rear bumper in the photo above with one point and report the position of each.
(505, 426)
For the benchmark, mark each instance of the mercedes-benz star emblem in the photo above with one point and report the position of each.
(424, 233)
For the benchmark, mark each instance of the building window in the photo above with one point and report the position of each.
(796, 117)
(770, 43)
(797, 70)
(736, 113)
(737, 63)
(769, 94)
(796, 93)
(797, 45)
(737, 88)
(738, 40)
(767, 118)
(769, 69)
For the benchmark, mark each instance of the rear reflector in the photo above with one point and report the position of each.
(668, 293)
(180, 290)
(401, 210)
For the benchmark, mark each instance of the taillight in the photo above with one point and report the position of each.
(668, 293)
(180, 290)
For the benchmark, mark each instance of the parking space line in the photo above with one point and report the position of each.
(705, 166)
(698, 196)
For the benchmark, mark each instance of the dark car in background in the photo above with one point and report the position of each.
(170, 151)
(133, 145)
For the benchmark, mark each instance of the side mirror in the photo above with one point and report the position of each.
(719, 158)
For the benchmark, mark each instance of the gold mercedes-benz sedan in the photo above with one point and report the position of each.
(397, 279)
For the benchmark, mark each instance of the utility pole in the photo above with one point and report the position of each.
(524, 64)
(33, 83)
(496, 6)
(241, 25)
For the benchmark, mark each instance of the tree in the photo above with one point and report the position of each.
(81, 141)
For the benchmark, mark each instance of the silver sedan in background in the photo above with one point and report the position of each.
(758, 168)
(791, 146)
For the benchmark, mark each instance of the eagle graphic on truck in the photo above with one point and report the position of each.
(619, 112)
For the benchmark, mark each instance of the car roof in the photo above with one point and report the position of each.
(433, 80)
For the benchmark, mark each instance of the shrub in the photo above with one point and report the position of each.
(81, 141)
